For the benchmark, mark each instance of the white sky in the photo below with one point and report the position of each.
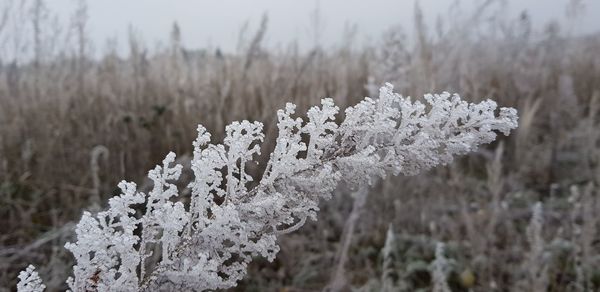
(218, 22)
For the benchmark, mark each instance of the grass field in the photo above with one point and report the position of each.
(72, 126)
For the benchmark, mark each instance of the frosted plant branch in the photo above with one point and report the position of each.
(209, 244)
(29, 281)
(439, 269)
(387, 276)
(536, 264)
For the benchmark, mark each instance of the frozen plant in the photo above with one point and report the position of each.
(439, 270)
(29, 281)
(208, 243)
(387, 275)
(536, 263)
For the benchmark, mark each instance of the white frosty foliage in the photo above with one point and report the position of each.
(439, 269)
(231, 219)
(29, 281)
(536, 264)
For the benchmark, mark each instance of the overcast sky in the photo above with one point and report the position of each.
(218, 22)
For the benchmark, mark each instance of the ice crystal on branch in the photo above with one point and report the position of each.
(229, 220)
(29, 281)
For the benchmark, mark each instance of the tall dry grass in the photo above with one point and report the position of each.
(72, 125)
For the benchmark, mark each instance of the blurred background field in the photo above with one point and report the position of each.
(75, 120)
